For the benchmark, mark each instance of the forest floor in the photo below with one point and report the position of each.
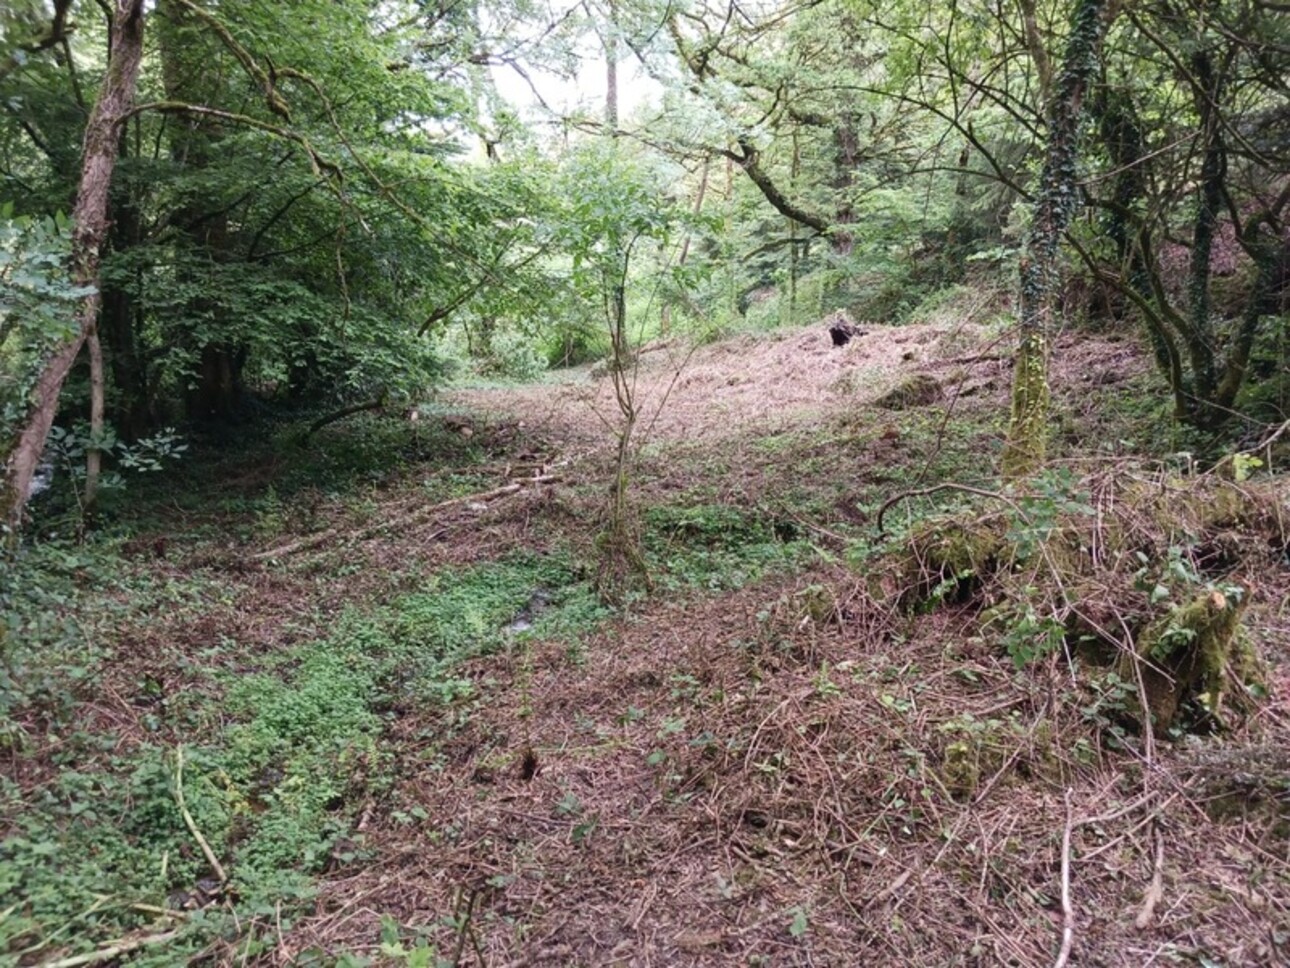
(353, 700)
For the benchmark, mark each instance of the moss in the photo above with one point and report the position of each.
(1225, 506)
(1194, 652)
(1046, 763)
(947, 559)
(980, 748)
(918, 390)
(1027, 444)
(961, 770)
(816, 604)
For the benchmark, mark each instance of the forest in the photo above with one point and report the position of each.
(644, 482)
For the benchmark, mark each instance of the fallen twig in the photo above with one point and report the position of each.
(463, 925)
(1156, 890)
(1274, 436)
(945, 486)
(1068, 909)
(313, 541)
(115, 950)
(190, 823)
(890, 890)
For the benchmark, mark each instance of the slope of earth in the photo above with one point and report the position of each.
(415, 737)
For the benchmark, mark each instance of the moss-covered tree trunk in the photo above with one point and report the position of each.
(1055, 204)
(98, 161)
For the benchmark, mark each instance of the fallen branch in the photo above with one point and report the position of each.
(945, 486)
(190, 823)
(307, 544)
(140, 906)
(376, 403)
(968, 360)
(1156, 890)
(115, 950)
(1068, 909)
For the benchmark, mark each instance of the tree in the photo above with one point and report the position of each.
(610, 218)
(102, 132)
(1056, 201)
(1197, 191)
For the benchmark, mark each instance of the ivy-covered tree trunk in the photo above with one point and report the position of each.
(1055, 204)
(1209, 205)
(99, 154)
(1121, 134)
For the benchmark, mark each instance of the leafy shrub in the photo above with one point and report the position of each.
(514, 355)
(575, 344)
(37, 304)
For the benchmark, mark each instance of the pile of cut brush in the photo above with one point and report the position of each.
(1142, 573)
(944, 763)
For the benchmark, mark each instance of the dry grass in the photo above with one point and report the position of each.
(698, 787)
(777, 776)
(797, 773)
(751, 383)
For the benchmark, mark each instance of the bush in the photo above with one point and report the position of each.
(573, 345)
(514, 355)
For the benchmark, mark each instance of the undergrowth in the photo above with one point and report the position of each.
(281, 754)
(719, 547)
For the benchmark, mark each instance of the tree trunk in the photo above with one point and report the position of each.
(119, 323)
(1209, 204)
(217, 394)
(93, 455)
(611, 71)
(1121, 136)
(131, 409)
(99, 154)
(846, 152)
(1055, 205)
(1038, 52)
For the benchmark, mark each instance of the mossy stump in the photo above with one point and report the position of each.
(947, 559)
(815, 605)
(1194, 652)
(919, 390)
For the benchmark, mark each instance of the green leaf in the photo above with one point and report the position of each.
(799, 925)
